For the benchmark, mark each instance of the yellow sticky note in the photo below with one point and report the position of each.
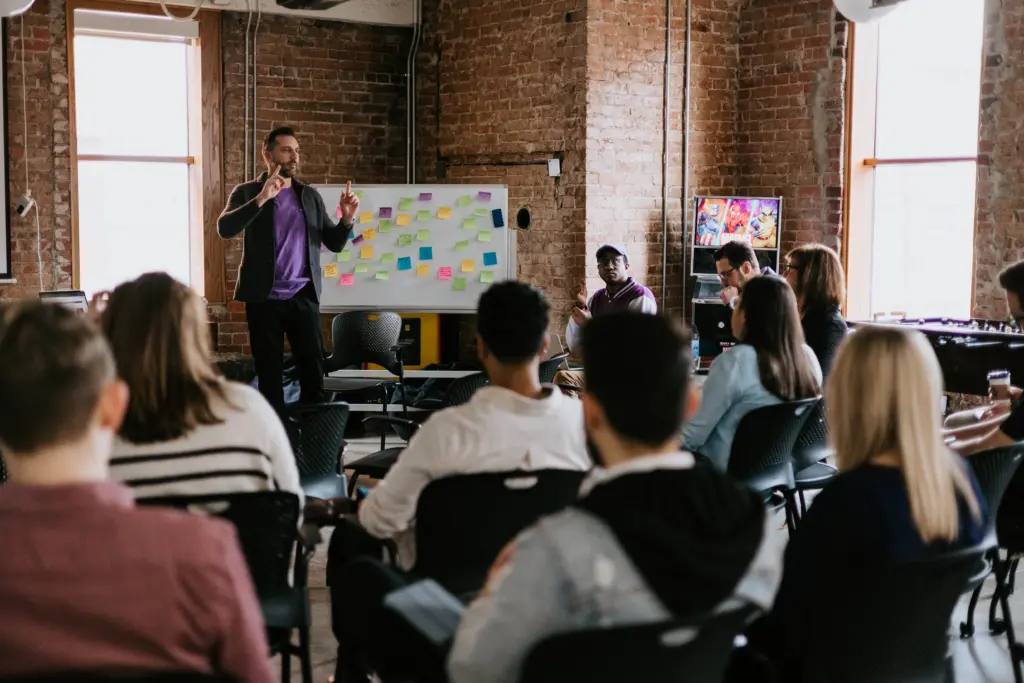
(444, 213)
(403, 219)
(344, 256)
(483, 236)
(487, 276)
(369, 234)
(422, 270)
(468, 266)
(331, 270)
(366, 252)
(366, 216)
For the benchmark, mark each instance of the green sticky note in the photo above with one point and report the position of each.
(387, 258)
(362, 268)
(385, 226)
(469, 224)
(405, 240)
(459, 284)
(465, 200)
(422, 235)
(423, 215)
(344, 256)
(486, 276)
(460, 246)
(483, 236)
(405, 204)
(482, 213)
(382, 275)
(358, 194)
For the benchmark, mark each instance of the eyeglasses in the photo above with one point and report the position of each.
(788, 267)
(724, 275)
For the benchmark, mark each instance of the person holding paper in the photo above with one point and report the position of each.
(284, 222)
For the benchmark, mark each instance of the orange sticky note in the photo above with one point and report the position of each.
(366, 252)
(444, 212)
(369, 234)
(366, 216)
(331, 270)
(422, 270)
(403, 219)
(468, 266)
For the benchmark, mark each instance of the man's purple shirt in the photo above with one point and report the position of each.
(291, 267)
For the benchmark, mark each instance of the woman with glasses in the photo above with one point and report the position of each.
(816, 276)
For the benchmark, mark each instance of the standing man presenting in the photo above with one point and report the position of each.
(285, 222)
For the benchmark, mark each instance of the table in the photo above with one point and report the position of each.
(333, 381)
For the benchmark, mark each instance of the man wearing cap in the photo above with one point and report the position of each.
(621, 293)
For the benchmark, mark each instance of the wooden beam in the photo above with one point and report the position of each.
(212, 68)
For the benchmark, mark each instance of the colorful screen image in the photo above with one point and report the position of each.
(719, 220)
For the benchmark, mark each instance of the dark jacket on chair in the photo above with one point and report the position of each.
(256, 271)
(824, 331)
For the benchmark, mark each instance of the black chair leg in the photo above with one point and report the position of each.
(791, 514)
(352, 484)
(286, 665)
(1007, 620)
(967, 627)
(803, 504)
(305, 657)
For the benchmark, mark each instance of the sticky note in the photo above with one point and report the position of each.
(468, 266)
(460, 246)
(358, 194)
(403, 219)
(385, 212)
(357, 239)
(469, 224)
(482, 213)
(459, 284)
(499, 218)
(369, 234)
(483, 196)
(422, 270)
(337, 212)
(384, 226)
(366, 252)
(426, 196)
(387, 258)
(483, 236)
(422, 235)
(444, 273)
(405, 263)
(382, 275)
(426, 253)
(423, 215)
(444, 213)
(366, 216)
(347, 280)
(362, 268)
(331, 270)
(405, 240)
(490, 258)
(487, 276)
(465, 200)
(405, 204)
(344, 256)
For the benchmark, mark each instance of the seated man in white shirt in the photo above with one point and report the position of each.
(514, 423)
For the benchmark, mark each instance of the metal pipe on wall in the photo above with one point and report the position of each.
(410, 95)
(685, 199)
(664, 153)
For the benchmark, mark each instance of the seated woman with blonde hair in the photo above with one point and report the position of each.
(187, 431)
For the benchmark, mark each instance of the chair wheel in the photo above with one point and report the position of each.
(997, 627)
(966, 630)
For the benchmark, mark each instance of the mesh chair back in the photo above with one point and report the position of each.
(317, 434)
(358, 339)
(550, 367)
(812, 442)
(763, 445)
(463, 522)
(120, 677)
(690, 651)
(994, 469)
(461, 390)
(267, 525)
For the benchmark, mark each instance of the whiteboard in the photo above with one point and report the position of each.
(467, 238)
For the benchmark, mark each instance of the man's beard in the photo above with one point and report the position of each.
(288, 172)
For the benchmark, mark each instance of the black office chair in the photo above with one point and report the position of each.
(3, 469)
(550, 367)
(693, 650)
(119, 677)
(761, 453)
(267, 526)
(810, 470)
(317, 435)
(463, 521)
(377, 464)
(887, 623)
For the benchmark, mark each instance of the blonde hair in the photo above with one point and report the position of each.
(884, 397)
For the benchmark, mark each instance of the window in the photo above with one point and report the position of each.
(137, 135)
(913, 146)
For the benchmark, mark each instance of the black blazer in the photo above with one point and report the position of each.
(824, 331)
(256, 271)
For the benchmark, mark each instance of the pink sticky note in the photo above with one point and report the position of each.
(337, 212)
(426, 196)
(347, 280)
(444, 273)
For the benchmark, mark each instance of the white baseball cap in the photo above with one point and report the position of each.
(617, 248)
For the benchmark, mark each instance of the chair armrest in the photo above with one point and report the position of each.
(397, 421)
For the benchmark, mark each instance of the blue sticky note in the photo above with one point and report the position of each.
(499, 218)
(490, 258)
(405, 263)
(426, 253)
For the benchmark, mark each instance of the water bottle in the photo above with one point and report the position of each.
(695, 347)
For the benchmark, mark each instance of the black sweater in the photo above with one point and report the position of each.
(824, 331)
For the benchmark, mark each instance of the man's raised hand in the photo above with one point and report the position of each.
(349, 204)
(271, 188)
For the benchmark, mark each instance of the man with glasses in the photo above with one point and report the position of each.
(737, 265)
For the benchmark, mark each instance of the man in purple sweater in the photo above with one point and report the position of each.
(285, 222)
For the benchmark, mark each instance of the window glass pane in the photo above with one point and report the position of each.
(923, 243)
(131, 97)
(929, 79)
(124, 228)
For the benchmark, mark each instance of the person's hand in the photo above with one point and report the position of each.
(581, 316)
(97, 304)
(271, 188)
(728, 294)
(349, 204)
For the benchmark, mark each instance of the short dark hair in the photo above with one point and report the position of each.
(737, 253)
(637, 367)
(272, 136)
(53, 365)
(1012, 279)
(512, 319)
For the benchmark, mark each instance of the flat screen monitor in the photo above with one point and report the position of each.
(718, 220)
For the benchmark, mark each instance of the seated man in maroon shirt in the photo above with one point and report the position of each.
(89, 583)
